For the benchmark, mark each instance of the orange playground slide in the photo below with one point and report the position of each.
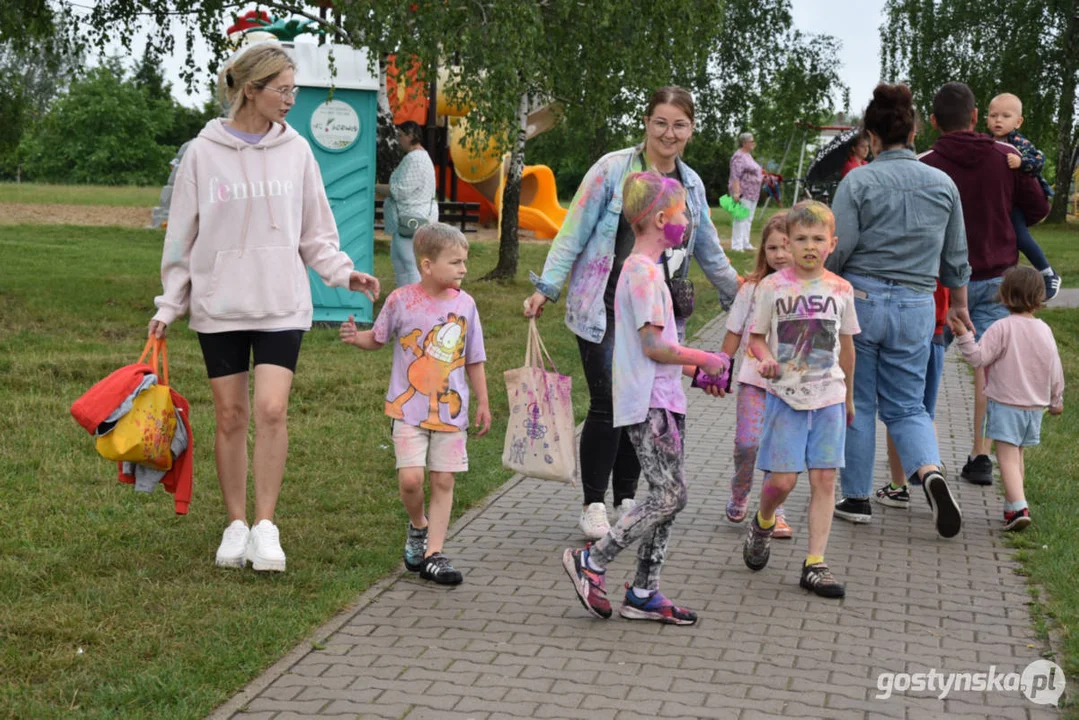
(480, 174)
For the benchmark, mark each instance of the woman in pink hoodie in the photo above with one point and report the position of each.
(249, 214)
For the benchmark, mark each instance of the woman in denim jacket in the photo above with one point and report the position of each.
(590, 248)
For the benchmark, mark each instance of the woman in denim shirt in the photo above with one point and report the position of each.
(900, 226)
(590, 248)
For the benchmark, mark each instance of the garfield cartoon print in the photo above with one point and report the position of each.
(436, 339)
(441, 353)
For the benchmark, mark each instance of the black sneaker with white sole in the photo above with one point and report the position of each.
(978, 470)
(437, 567)
(893, 497)
(946, 513)
(855, 510)
(819, 580)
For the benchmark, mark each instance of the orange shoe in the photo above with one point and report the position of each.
(782, 530)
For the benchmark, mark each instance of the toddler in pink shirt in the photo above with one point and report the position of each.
(1024, 376)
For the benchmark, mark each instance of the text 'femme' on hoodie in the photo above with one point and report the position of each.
(245, 220)
(988, 189)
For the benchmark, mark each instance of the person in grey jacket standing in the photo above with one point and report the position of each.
(900, 227)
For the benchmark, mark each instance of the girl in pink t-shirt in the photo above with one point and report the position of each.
(774, 254)
(1023, 377)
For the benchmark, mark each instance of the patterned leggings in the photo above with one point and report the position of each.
(659, 442)
(747, 438)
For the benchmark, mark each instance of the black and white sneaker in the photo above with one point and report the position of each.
(856, 510)
(946, 513)
(819, 580)
(437, 567)
(893, 497)
(978, 470)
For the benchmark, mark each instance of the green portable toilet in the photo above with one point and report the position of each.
(341, 132)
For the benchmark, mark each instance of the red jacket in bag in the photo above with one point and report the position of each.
(98, 402)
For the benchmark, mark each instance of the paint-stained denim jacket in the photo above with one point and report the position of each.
(584, 247)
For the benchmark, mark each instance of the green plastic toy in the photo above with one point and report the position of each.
(737, 210)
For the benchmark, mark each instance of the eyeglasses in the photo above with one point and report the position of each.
(681, 128)
(285, 92)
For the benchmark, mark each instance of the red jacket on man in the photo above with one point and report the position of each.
(988, 189)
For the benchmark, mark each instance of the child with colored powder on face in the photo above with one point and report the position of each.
(802, 334)
(650, 402)
(1005, 119)
(1024, 376)
(439, 351)
(774, 254)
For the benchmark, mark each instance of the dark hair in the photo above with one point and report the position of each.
(1023, 289)
(952, 107)
(413, 130)
(890, 115)
(679, 97)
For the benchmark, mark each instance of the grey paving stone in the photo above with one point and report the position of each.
(513, 641)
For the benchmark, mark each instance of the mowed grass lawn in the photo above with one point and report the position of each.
(109, 602)
(38, 193)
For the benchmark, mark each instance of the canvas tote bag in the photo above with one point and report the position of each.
(540, 435)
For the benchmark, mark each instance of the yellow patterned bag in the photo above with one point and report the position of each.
(144, 434)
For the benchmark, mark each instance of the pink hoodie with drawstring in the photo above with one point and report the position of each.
(244, 222)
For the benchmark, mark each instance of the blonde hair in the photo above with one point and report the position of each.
(259, 65)
(646, 194)
(430, 240)
(776, 224)
(809, 213)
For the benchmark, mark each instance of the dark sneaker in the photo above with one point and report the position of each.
(856, 510)
(892, 497)
(415, 548)
(757, 547)
(590, 586)
(819, 579)
(1052, 286)
(1017, 519)
(437, 567)
(915, 480)
(946, 514)
(978, 470)
(655, 607)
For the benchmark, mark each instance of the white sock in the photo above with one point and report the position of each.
(591, 565)
(641, 593)
(1048, 271)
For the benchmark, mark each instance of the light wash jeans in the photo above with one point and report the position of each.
(740, 229)
(892, 357)
(405, 271)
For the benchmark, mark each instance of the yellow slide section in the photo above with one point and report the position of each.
(539, 211)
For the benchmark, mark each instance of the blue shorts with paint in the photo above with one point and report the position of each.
(797, 440)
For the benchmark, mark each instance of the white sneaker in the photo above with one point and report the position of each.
(232, 552)
(264, 548)
(627, 505)
(593, 522)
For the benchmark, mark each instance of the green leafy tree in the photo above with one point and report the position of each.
(598, 59)
(1026, 47)
(102, 131)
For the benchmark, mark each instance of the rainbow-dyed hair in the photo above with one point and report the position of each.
(646, 194)
(809, 213)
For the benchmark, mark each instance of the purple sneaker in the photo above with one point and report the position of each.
(590, 585)
(655, 607)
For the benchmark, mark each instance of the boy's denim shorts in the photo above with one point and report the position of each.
(799, 440)
(1022, 428)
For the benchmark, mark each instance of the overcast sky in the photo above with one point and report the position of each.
(855, 23)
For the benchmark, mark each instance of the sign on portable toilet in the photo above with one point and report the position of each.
(341, 132)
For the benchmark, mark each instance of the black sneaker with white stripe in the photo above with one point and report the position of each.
(946, 513)
(437, 567)
(818, 579)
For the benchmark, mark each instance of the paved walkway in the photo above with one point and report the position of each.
(1066, 298)
(513, 641)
